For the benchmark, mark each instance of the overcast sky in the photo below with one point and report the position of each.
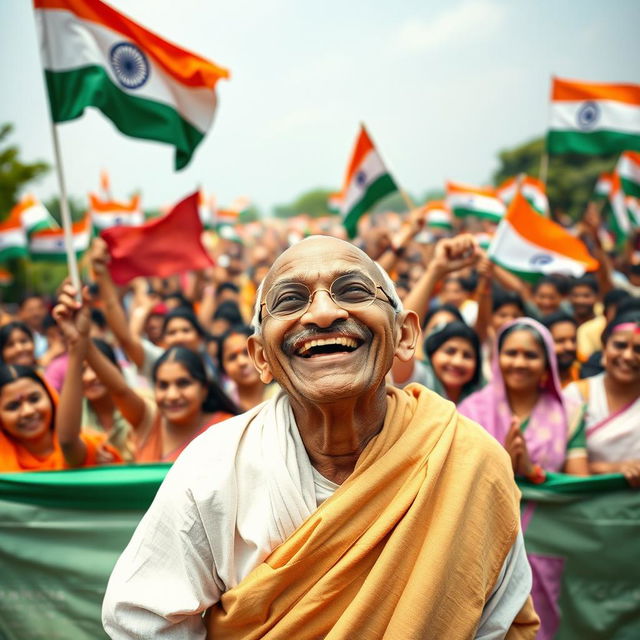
(442, 86)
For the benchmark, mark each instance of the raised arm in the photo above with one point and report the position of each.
(484, 296)
(113, 310)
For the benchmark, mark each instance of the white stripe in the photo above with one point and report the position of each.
(54, 244)
(439, 216)
(506, 194)
(34, 215)
(476, 202)
(371, 168)
(516, 252)
(633, 207)
(628, 169)
(15, 237)
(106, 219)
(613, 116)
(536, 198)
(620, 212)
(74, 43)
(603, 186)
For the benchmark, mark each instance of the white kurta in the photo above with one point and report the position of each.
(237, 492)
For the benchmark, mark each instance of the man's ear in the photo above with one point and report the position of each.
(256, 353)
(408, 328)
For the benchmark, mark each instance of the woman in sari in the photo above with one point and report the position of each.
(613, 401)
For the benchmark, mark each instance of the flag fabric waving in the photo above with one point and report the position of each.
(367, 181)
(13, 239)
(161, 247)
(48, 244)
(438, 215)
(531, 188)
(465, 200)
(34, 215)
(593, 118)
(628, 168)
(529, 245)
(148, 87)
(110, 213)
(619, 219)
(603, 186)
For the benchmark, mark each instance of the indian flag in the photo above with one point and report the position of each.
(593, 118)
(13, 238)
(603, 186)
(633, 209)
(628, 168)
(6, 277)
(529, 245)
(34, 215)
(438, 215)
(465, 200)
(110, 213)
(230, 215)
(619, 218)
(48, 244)
(94, 56)
(531, 188)
(206, 210)
(367, 181)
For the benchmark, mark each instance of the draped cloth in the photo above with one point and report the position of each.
(410, 546)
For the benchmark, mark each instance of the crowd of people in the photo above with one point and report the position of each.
(552, 369)
(110, 375)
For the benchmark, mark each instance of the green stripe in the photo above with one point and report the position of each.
(13, 252)
(53, 257)
(464, 212)
(596, 142)
(377, 190)
(529, 276)
(70, 92)
(630, 187)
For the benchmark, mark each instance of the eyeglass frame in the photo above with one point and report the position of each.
(389, 299)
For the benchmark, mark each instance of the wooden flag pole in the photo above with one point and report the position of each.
(72, 262)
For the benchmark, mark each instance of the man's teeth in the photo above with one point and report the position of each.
(345, 342)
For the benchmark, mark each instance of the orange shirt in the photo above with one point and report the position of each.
(14, 457)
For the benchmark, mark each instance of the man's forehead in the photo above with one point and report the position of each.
(318, 257)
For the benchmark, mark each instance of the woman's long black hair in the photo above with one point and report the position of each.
(11, 372)
(6, 331)
(216, 399)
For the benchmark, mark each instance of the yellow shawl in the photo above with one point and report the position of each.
(410, 546)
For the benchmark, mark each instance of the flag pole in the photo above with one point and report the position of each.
(544, 160)
(72, 262)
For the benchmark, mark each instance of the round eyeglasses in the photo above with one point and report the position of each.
(351, 291)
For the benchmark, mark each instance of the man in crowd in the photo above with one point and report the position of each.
(32, 310)
(563, 329)
(342, 507)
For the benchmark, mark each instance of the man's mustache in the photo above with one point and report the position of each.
(347, 328)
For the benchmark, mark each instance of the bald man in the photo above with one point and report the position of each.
(342, 508)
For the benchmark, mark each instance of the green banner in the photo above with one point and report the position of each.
(61, 533)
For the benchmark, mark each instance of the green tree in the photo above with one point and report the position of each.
(250, 214)
(570, 178)
(314, 203)
(14, 173)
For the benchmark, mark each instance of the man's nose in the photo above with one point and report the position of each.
(322, 311)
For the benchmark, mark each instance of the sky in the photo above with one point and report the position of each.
(441, 85)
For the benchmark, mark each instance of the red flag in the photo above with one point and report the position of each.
(161, 247)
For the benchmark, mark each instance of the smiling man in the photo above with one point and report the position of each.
(342, 508)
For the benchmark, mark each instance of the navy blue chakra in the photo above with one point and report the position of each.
(361, 178)
(540, 259)
(588, 115)
(129, 64)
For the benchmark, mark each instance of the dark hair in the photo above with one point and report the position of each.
(48, 322)
(235, 330)
(6, 331)
(98, 318)
(502, 298)
(522, 326)
(185, 314)
(184, 303)
(547, 280)
(454, 311)
(621, 318)
(230, 312)
(456, 330)
(227, 286)
(585, 281)
(29, 296)
(107, 350)
(216, 399)
(556, 318)
(614, 297)
(628, 305)
(11, 372)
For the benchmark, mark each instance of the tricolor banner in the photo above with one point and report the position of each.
(466, 200)
(13, 239)
(603, 186)
(367, 181)
(148, 87)
(111, 213)
(530, 246)
(34, 215)
(438, 215)
(593, 118)
(619, 220)
(531, 188)
(61, 533)
(48, 244)
(628, 168)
